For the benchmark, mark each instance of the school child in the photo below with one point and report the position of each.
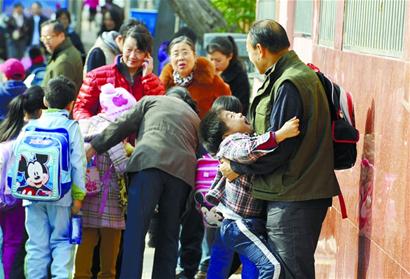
(47, 222)
(103, 214)
(21, 109)
(229, 135)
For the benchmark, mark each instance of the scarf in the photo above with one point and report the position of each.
(109, 39)
(182, 81)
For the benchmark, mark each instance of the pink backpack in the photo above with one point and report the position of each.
(93, 183)
(206, 170)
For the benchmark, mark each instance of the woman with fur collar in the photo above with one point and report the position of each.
(197, 74)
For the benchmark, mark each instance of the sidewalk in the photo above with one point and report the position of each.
(148, 262)
(89, 35)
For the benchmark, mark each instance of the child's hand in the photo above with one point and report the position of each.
(128, 149)
(76, 207)
(288, 130)
(226, 170)
(89, 151)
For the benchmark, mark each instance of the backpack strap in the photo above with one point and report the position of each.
(342, 206)
(105, 180)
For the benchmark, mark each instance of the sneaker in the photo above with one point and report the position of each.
(200, 275)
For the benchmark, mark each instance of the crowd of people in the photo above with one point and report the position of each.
(134, 139)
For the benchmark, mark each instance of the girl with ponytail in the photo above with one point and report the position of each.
(21, 109)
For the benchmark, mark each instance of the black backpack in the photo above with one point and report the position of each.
(344, 133)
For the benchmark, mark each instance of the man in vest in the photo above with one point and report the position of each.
(297, 179)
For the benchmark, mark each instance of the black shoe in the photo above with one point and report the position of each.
(151, 242)
(181, 275)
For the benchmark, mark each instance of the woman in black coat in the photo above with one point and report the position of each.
(223, 52)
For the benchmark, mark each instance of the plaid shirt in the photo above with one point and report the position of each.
(237, 194)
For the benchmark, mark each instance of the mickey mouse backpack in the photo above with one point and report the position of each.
(41, 169)
(207, 168)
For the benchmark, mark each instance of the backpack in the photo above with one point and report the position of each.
(35, 77)
(7, 201)
(39, 74)
(344, 133)
(41, 170)
(206, 171)
(96, 182)
(92, 178)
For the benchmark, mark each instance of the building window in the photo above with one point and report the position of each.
(374, 27)
(265, 10)
(303, 18)
(327, 22)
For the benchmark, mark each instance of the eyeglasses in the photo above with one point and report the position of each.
(47, 38)
(182, 53)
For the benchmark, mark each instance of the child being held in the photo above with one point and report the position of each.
(103, 209)
(229, 135)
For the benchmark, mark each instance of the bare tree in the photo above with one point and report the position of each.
(199, 15)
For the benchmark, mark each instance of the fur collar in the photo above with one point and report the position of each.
(204, 72)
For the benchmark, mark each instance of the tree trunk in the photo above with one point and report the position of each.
(199, 15)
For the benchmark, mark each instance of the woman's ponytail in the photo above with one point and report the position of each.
(234, 48)
(30, 102)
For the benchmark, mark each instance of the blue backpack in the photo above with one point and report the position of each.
(7, 201)
(39, 74)
(41, 169)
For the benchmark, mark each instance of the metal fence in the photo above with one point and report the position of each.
(375, 26)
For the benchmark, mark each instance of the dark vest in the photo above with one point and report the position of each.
(309, 173)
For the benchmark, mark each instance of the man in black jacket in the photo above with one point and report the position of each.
(17, 26)
(34, 24)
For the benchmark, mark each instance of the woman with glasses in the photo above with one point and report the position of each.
(196, 74)
(132, 71)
